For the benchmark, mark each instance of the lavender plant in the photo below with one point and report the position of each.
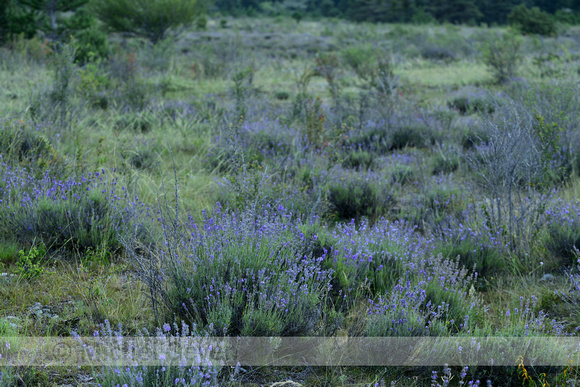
(164, 374)
(431, 298)
(237, 274)
(563, 232)
(72, 214)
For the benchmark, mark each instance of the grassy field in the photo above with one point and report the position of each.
(272, 178)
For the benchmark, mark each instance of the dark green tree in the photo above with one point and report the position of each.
(16, 19)
(496, 11)
(455, 11)
(532, 21)
(49, 10)
(378, 10)
(4, 20)
(150, 19)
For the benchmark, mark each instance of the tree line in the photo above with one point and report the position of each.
(405, 11)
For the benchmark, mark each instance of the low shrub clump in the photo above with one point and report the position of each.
(238, 274)
(357, 197)
(74, 214)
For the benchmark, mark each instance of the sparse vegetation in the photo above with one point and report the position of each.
(282, 176)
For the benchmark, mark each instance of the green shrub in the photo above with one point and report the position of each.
(55, 102)
(435, 206)
(375, 140)
(467, 105)
(201, 22)
(410, 136)
(384, 80)
(29, 266)
(8, 252)
(356, 198)
(358, 160)
(4, 15)
(567, 16)
(241, 281)
(502, 54)
(532, 21)
(436, 53)
(560, 241)
(445, 164)
(16, 21)
(484, 260)
(402, 174)
(142, 157)
(21, 143)
(91, 43)
(149, 19)
(296, 15)
(53, 18)
(273, 143)
(282, 95)
(94, 83)
(69, 225)
(135, 95)
(358, 58)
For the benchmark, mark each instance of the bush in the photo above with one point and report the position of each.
(358, 59)
(480, 258)
(238, 274)
(55, 102)
(410, 136)
(201, 23)
(402, 174)
(74, 226)
(567, 16)
(282, 95)
(446, 165)
(8, 251)
(73, 215)
(563, 233)
(359, 160)
(532, 21)
(368, 260)
(409, 308)
(442, 54)
(22, 144)
(506, 168)
(91, 43)
(467, 105)
(355, 197)
(94, 83)
(29, 266)
(372, 140)
(502, 55)
(437, 207)
(151, 19)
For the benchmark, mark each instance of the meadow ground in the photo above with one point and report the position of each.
(264, 177)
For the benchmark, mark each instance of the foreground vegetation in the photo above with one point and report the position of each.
(269, 178)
